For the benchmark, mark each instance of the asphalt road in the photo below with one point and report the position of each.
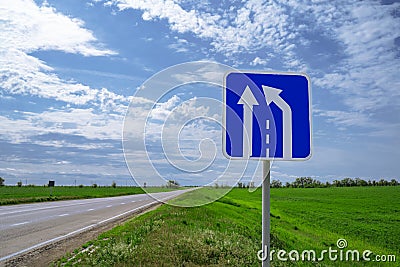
(29, 226)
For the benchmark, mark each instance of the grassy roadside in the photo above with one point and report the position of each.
(228, 232)
(367, 217)
(218, 234)
(29, 194)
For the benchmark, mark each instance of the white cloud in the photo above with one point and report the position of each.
(258, 61)
(365, 73)
(180, 45)
(368, 75)
(182, 138)
(26, 27)
(364, 32)
(89, 123)
(174, 117)
(177, 111)
(344, 118)
(78, 122)
(255, 25)
(162, 110)
(24, 74)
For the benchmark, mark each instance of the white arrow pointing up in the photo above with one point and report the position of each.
(248, 101)
(272, 95)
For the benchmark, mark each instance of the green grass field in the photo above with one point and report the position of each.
(367, 217)
(27, 194)
(228, 232)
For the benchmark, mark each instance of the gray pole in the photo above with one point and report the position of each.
(266, 212)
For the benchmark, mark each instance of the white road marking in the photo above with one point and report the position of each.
(16, 224)
(85, 202)
(87, 227)
(133, 201)
(74, 232)
(123, 203)
(62, 215)
(90, 209)
(109, 206)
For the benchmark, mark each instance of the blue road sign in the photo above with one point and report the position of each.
(267, 116)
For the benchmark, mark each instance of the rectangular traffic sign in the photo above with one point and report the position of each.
(267, 115)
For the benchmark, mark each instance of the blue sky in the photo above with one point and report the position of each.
(69, 69)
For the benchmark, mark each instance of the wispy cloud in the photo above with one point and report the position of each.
(70, 121)
(232, 30)
(365, 73)
(367, 76)
(27, 27)
(343, 118)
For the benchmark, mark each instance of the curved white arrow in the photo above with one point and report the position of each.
(272, 95)
(248, 101)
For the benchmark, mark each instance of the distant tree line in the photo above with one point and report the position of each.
(19, 184)
(308, 182)
(301, 182)
(244, 185)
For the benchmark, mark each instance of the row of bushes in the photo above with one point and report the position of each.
(308, 182)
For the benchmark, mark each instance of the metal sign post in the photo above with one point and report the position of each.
(266, 213)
